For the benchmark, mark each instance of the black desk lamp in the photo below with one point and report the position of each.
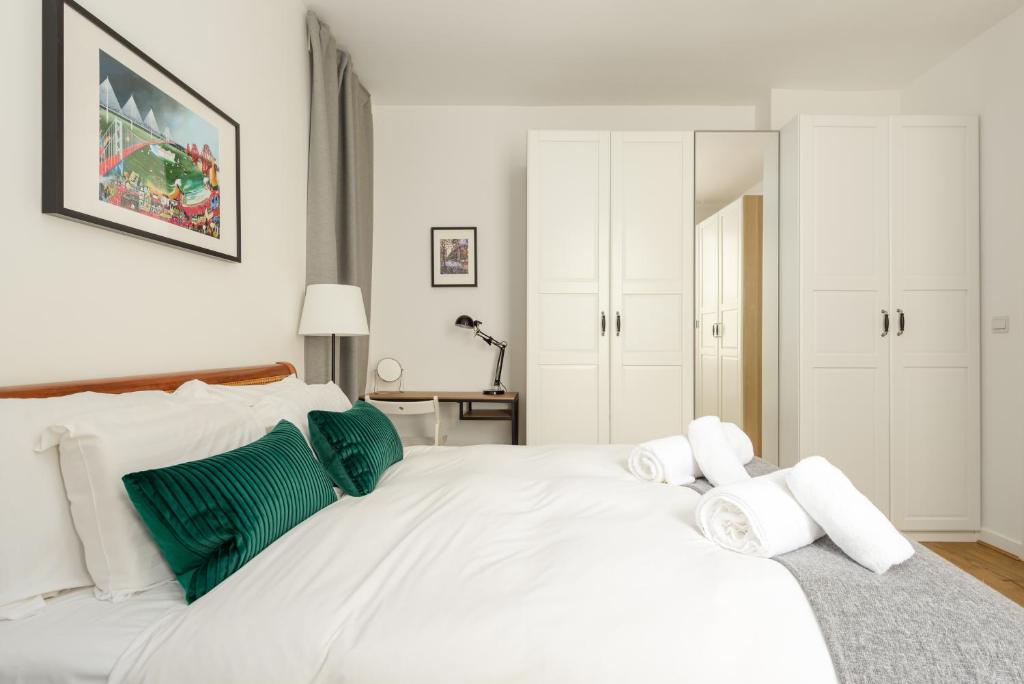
(467, 322)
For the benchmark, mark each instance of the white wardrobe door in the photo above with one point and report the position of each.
(730, 312)
(936, 438)
(652, 237)
(567, 286)
(708, 287)
(844, 220)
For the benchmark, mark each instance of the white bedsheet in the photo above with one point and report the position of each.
(77, 638)
(495, 564)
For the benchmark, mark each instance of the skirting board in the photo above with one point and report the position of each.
(943, 536)
(1014, 548)
(1002, 543)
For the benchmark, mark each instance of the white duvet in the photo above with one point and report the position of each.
(495, 564)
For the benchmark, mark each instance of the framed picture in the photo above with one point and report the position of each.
(130, 147)
(453, 257)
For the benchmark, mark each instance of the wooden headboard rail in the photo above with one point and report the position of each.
(168, 382)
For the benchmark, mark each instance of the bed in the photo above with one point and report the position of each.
(466, 564)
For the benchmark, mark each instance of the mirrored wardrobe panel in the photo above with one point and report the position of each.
(736, 236)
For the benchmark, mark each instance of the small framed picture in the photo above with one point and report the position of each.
(453, 257)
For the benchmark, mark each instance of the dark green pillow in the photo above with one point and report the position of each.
(356, 446)
(211, 517)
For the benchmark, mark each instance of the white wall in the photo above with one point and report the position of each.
(77, 301)
(466, 166)
(785, 104)
(984, 78)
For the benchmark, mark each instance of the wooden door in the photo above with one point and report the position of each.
(844, 232)
(651, 307)
(567, 287)
(936, 433)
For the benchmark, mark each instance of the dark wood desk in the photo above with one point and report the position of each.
(508, 403)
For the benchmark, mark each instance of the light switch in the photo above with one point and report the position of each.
(1000, 324)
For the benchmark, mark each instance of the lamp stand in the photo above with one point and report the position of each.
(334, 355)
(496, 387)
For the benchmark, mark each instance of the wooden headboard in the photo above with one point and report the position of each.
(168, 382)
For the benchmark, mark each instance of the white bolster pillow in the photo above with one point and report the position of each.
(757, 517)
(668, 459)
(850, 519)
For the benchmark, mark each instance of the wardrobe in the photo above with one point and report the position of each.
(609, 286)
(728, 286)
(879, 310)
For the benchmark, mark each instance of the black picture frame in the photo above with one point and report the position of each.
(435, 275)
(53, 201)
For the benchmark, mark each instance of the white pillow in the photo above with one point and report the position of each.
(290, 399)
(97, 449)
(40, 553)
(250, 394)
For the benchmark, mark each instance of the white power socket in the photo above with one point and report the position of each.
(1000, 324)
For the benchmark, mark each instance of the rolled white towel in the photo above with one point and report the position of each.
(739, 441)
(758, 517)
(668, 459)
(847, 516)
(715, 457)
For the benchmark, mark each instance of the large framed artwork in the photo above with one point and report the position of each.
(130, 147)
(453, 257)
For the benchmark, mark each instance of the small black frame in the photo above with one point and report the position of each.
(53, 128)
(433, 271)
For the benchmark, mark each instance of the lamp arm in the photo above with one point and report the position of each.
(498, 366)
(490, 340)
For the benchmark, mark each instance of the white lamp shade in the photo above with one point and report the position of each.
(333, 310)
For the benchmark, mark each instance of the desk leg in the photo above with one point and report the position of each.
(515, 421)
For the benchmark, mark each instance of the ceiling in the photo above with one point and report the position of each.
(728, 163)
(556, 52)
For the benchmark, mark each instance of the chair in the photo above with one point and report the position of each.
(414, 408)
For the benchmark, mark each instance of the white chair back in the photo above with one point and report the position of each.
(413, 408)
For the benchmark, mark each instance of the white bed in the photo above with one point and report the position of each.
(490, 564)
(77, 638)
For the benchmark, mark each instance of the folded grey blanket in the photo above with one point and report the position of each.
(924, 620)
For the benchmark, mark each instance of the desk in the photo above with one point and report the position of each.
(508, 403)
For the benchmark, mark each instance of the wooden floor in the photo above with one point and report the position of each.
(1002, 572)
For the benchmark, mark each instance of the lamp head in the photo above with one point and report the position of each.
(465, 321)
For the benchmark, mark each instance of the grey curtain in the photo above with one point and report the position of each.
(339, 197)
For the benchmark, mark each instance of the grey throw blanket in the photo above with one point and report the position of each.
(924, 620)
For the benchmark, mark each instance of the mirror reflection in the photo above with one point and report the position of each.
(736, 275)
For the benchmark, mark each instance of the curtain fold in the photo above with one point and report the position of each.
(339, 197)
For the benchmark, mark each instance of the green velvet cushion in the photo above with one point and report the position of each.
(211, 517)
(356, 446)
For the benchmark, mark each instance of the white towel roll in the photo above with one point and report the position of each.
(850, 519)
(714, 455)
(758, 517)
(739, 441)
(668, 460)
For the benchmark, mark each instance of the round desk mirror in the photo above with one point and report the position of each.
(389, 370)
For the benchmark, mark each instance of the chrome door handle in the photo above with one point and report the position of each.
(618, 323)
(903, 322)
(604, 324)
(885, 322)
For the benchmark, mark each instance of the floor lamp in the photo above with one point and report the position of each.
(335, 310)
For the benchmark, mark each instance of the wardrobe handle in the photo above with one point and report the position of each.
(618, 323)
(604, 324)
(715, 331)
(903, 322)
(885, 322)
